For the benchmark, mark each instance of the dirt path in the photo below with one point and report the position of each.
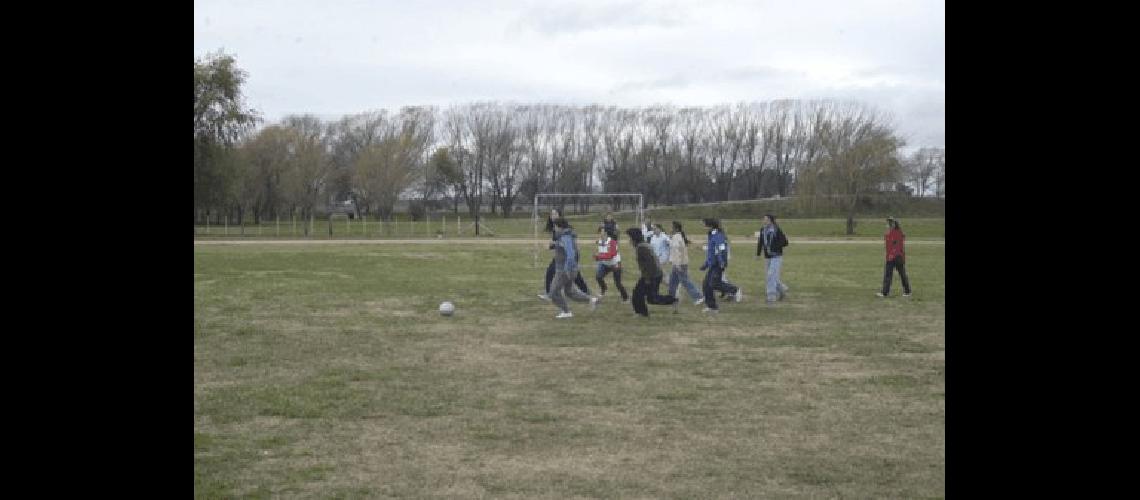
(504, 241)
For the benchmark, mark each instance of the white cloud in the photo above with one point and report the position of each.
(344, 57)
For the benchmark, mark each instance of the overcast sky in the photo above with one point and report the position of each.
(337, 57)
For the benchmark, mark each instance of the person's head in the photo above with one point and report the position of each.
(657, 229)
(678, 229)
(609, 217)
(561, 223)
(554, 214)
(769, 219)
(711, 223)
(611, 232)
(635, 236)
(892, 223)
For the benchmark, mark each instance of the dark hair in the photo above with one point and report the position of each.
(635, 236)
(894, 223)
(677, 227)
(711, 222)
(562, 223)
(771, 218)
(611, 232)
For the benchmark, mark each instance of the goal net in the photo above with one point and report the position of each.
(585, 212)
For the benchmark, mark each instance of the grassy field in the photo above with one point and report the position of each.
(325, 372)
(524, 228)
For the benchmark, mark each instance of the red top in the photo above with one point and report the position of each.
(611, 251)
(894, 239)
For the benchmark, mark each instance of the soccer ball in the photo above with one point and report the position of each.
(447, 308)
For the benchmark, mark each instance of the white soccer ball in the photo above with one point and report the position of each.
(447, 308)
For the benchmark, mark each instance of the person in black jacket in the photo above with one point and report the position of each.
(770, 243)
(550, 228)
(649, 284)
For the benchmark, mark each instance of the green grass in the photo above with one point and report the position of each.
(919, 228)
(324, 371)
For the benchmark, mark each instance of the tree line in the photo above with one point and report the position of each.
(501, 154)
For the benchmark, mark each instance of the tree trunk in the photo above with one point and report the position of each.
(850, 223)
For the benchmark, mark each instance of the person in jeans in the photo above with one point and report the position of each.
(896, 258)
(679, 258)
(566, 270)
(550, 218)
(609, 260)
(649, 284)
(770, 244)
(716, 260)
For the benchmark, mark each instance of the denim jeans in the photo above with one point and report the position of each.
(680, 276)
(775, 287)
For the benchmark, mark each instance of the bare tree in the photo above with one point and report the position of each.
(308, 167)
(922, 168)
(858, 152)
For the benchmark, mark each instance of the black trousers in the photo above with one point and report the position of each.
(714, 281)
(603, 270)
(889, 274)
(648, 290)
(550, 277)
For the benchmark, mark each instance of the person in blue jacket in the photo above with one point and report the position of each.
(716, 260)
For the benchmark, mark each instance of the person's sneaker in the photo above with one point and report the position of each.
(906, 295)
(625, 300)
(699, 301)
(711, 311)
(675, 311)
(543, 296)
(593, 303)
(739, 295)
(564, 315)
(880, 294)
(784, 292)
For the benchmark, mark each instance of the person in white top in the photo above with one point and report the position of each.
(679, 257)
(660, 245)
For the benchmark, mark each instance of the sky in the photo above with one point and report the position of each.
(339, 57)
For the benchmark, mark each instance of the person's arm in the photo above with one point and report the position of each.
(722, 252)
(571, 252)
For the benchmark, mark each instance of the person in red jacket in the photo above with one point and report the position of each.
(609, 260)
(896, 258)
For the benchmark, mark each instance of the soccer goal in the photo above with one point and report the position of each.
(616, 203)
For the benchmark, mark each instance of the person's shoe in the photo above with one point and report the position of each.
(710, 311)
(543, 296)
(906, 294)
(880, 294)
(593, 303)
(675, 311)
(564, 315)
(739, 295)
(783, 292)
(699, 301)
(625, 300)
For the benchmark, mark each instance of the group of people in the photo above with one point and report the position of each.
(654, 249)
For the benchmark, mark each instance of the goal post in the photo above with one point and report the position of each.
(606, 199)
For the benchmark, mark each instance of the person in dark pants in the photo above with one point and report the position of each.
(649, 284)
(716, 260)
(896, 258)
(565, 248)
(609, 260)
(550, 218)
